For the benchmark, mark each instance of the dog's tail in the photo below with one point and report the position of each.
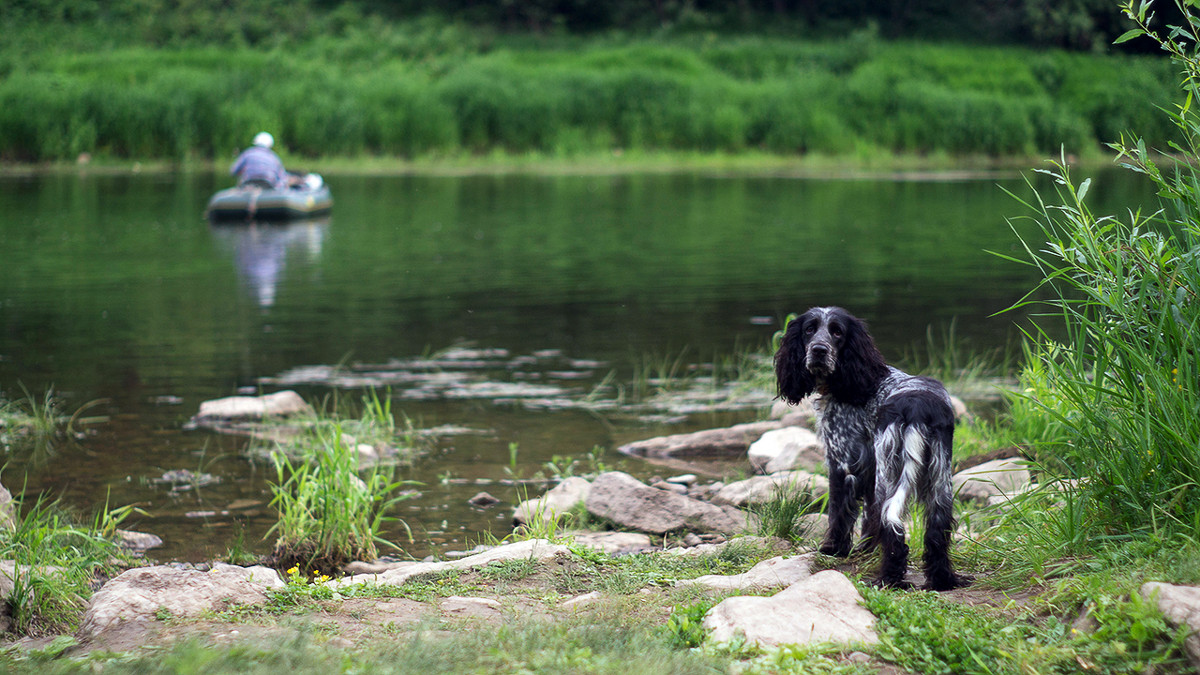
(904, 447)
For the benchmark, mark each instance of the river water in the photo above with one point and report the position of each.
(531, 292)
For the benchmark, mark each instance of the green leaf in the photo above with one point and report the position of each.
(1129, 35)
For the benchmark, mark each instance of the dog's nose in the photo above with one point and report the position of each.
(819, 351)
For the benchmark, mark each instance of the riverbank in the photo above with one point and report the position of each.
(876, 166)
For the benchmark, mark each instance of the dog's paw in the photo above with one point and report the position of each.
(897, 584)
(865, 547)
(835, 550)
(953, 582)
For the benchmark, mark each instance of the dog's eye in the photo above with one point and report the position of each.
(835, 331)
(810, 329)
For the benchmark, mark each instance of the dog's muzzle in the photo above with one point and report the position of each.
(819, 360)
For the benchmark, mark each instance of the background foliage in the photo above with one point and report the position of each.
(196, 79)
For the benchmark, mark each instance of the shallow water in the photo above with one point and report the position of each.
(554, 294)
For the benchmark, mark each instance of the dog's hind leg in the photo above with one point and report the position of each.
(899, 451)
(939, 518)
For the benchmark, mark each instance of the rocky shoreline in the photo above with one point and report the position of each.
(678, 514)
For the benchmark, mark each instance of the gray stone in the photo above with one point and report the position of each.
(1181, 606)
(772, 573)
(803, 414)
(761, 489)
(630, 503)
(997, 478)
(581, 600)
(824, 608)
(731, 442)
(138, 595)
(9, 573)
(470, 607)
(483, 500)
(785, 449)
(715, 549)
(137, 542)
(538, 550)
(677, 488)
(377, 567)
(613, 543)
(557, 502)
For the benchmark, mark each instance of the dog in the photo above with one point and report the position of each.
(888, 438)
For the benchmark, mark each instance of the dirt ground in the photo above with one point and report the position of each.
(354, 623)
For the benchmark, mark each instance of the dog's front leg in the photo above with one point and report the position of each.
(872, 514)
(842, 510)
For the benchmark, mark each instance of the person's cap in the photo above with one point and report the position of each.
(264, 139)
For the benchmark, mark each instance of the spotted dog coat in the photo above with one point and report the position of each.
(888, 437)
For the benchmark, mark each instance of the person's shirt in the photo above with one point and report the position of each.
(259, 163)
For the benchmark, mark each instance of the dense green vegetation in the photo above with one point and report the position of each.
(1110, 407)
(353, 85)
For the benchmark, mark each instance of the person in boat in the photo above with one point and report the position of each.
(259, 166)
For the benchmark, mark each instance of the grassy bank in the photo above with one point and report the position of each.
(437, 92)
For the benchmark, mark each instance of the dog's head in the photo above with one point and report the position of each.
(830, 350)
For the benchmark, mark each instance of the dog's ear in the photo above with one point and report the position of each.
(791, 374)
(860, 366)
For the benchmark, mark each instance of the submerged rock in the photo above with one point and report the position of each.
(8, 511)
(137, 542)
(483, 500)
(285, 403)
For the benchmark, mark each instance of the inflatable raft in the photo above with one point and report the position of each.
(308, 199)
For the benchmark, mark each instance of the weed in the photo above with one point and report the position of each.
(510, 570)
(300, 589)
(783, 514)
(685, 628)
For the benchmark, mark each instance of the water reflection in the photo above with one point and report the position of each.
(260, 250)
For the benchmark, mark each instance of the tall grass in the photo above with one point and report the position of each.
(54, 561)
(1113, 384)
(412, 90)
(329, 512)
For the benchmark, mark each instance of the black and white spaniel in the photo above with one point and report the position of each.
(888, 437)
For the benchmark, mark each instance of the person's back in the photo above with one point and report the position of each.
(259, 165)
